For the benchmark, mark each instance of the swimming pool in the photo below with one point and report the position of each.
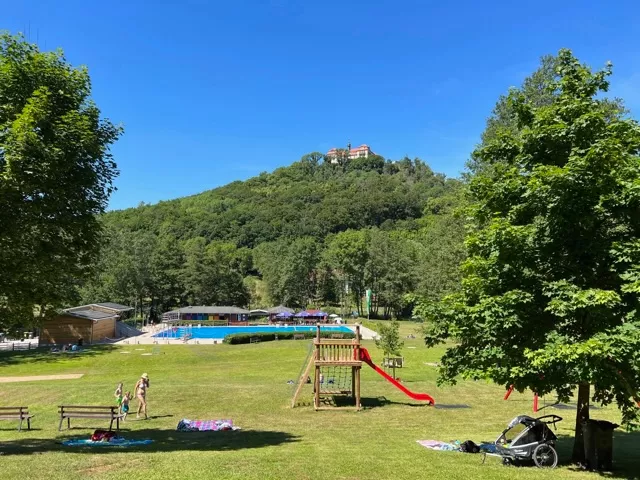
(221, 332)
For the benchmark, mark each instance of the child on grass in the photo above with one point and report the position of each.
(124, 407)
(118, 394)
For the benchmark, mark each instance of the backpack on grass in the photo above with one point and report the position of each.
(102, 436)
(469, 447)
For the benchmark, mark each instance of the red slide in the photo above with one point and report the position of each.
(366, 358)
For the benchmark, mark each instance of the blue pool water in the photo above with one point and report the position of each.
(221, 332)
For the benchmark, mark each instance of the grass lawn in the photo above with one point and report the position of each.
(247, 383)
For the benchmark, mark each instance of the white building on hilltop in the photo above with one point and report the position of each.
(363, 151)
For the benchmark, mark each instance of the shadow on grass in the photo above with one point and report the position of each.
(44, 355)
(451, 406)
(163, 441)
(24, 429)
(565, 406)
(626, 461)
(372, 402)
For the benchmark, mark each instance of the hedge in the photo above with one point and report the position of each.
(240, 338)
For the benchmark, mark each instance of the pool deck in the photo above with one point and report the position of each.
(147, 338)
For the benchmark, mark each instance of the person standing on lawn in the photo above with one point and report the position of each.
(141, 394)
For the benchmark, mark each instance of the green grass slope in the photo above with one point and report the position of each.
(247, 383)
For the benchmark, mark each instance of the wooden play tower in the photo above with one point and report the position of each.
(336, 363)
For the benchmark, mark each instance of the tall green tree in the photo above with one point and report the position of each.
(390, 271)
(549, 297)
(440, 247)
(167, 261)
(535, 90)
(56, 175)
(124, 271)
(389, 339)
(210, 276)
(348, 254)
(290, 270)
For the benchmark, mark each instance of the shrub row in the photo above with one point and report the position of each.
(239, 338)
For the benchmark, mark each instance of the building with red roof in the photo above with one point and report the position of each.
(363, 151)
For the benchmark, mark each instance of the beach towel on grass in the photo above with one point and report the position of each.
(186, 425)
(439, 446)
(455, 446)
(114, 442)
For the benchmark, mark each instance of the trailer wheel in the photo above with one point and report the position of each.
(545, 456)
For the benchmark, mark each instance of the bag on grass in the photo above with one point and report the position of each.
(469, 447)
(102, 436)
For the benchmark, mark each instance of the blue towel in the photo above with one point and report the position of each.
(115, 442)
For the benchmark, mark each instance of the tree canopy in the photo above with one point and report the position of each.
(56, 175)
(389, 339)
(538, 90)
(549, 295)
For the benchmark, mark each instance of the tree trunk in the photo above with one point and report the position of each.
(582, 415)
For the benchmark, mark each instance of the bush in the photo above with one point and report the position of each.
(240, 338)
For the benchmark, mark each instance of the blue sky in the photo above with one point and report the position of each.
(210, 92)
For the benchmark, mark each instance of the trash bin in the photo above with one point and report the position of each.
(598, 444)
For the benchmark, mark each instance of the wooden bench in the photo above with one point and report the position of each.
(393, 362)
(257, 339)
(337, 336)
(81, 411)
(17, 413)
(298, 336)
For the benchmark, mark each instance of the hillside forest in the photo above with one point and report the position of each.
(312, 234)
(315, 233)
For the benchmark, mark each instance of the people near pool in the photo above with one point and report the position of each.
(124, 406)
(141, 394)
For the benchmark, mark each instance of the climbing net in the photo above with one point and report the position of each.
(336, 380)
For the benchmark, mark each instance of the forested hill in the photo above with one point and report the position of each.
(310, 234)
(308, 198)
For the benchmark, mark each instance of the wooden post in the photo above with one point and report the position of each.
(353, 382)
(357, 388)
(316, 379)
(301, 381)
(316, 388)
(357, 369)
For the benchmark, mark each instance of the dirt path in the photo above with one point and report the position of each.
(35, 378)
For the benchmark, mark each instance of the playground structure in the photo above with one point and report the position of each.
(536, 399)
(337, 364)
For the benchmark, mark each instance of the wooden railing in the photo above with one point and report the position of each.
(336, 351)
(15, 346)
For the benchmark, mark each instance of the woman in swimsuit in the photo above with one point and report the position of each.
(141, 394)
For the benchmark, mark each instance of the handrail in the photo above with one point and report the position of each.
(126, 330)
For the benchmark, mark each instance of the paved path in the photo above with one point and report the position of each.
(365, 333)
(34, 378)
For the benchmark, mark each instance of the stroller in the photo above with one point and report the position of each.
(528, 440)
